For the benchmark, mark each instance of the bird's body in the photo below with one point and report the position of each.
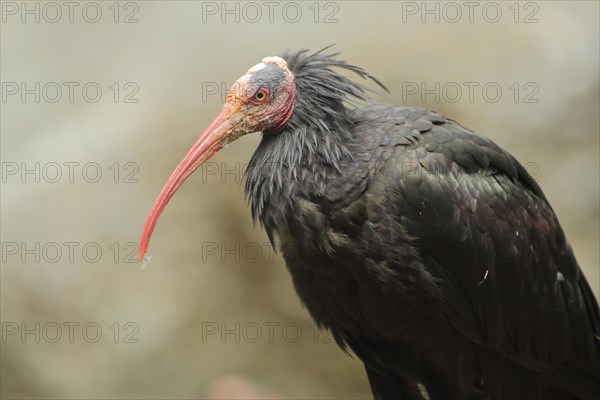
(422, 246)
(424, 262)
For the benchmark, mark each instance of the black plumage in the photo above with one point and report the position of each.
(422, 246)
(425, 248)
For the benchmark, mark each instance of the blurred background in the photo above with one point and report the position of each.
(100, 101)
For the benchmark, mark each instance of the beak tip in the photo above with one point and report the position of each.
(143, 247)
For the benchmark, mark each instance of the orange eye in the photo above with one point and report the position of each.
(261, 95)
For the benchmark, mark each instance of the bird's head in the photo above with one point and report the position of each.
(283, 97)
(261, 100)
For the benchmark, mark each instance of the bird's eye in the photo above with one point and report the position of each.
(261, 95)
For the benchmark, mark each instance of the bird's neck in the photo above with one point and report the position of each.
(296, 163)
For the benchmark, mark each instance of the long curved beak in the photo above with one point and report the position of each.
(212, 140)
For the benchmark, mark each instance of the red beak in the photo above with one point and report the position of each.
(211, 141)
